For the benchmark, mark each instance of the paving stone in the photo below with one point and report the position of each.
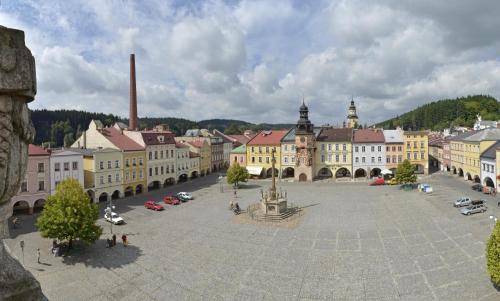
(412, 285)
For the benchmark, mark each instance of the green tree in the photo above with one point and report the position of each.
(237, 174)
(68, 139)
(232, 129)
(405, 173)
(493, 255)
(68, 215)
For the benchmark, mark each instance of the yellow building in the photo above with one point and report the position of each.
(473, 146)
(102, 171)
(416, 150)
(259, 150)
(202, 148)
(333, 153)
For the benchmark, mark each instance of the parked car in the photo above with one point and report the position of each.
(463, 201)
(153, 206)
(477, 187)
(185, 195)
(377, 181)
(473, 209)
(114, 218)
(171, 199)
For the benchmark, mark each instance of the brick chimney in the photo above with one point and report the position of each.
(132, 125)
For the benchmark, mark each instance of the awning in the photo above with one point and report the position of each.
(386, 172)
(255, 170)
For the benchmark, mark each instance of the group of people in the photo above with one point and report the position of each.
(235, 207)
(112, 242)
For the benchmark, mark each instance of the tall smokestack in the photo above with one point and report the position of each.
(133, 96)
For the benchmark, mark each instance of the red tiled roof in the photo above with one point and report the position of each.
(241, 138)
(335, 134)
(120, 140)
(368, 136)
(34, 150)
(197, 144)
(151, 137)
(272, 137)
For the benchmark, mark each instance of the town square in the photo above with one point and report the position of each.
(354, 242)
(249, 150)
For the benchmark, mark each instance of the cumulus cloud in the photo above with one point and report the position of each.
(255, 60)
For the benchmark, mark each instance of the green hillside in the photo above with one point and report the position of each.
(441, 114)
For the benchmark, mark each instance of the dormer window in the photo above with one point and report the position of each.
(161, 139)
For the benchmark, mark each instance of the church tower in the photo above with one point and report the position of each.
(304, 146)
(352, 117)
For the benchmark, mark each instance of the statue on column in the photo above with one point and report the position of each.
(17, 88)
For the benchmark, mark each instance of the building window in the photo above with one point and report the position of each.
(356, 149)
(156, 155)
(150, 155)
(422, 144)
(260, 149)
(344, 147)
(140, 174)
(322, 147)
(133, 175)
(101, 179)
(41, 185)
(57, 183)
(293, 159)
(363, 149)
(414, 144)
(373, 148)
(379, 159)
(109, 178)
(422, 156)
(388, 159)
(117, 177)
(57, 167)
(322, 158)
(363, 159)
(134, 162)
(24, 186)
(394, 159)
(286, 159)
(75, 165)
(400, 148)
(241, 159)
(127, 176)
(329, 158)
(150, 171)
(329, 146)
(336, 158)
(344, 158)
(41, 167)
(408, 144)
(127, 163)
(373, 159)
(260, 159)
(357, 160)
(156, 170)
(117, 164)
(415, 155)
(286, 147)
(408, 155)
(267, 159)
(336, 147)
(66, 166)
(109, 164)
(379, 148)
(400, 159)
(253, 159)
(387, 148)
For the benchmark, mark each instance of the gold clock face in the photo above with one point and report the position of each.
(302, 139)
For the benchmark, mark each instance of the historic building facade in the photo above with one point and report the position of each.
(393, 149)
(369, 153)
(489, 166)
(416, 150)
(259, 150)
(65, 164)
(333, 153)
(288, 153)
(473, 146)
(305, 147)
(352, 116)
(202, 148)
(35, 188)
(239, 155)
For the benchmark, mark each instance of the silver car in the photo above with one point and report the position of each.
(463, 201)
(473, 209)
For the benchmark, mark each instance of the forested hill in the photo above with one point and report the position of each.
(445, 113)
(62, 127)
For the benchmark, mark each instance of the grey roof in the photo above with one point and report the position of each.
(290, 137)
(484, 135)
(491, 152)
(393, 136)
(462, 136)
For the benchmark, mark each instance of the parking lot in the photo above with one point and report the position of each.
(354, 242)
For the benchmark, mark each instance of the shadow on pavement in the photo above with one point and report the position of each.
(248, 186)
(26, 224)
(98, 256)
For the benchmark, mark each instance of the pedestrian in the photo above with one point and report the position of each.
(124, 240)
(38, 255)
(114, 240)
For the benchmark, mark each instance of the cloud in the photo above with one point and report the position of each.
(255, 60)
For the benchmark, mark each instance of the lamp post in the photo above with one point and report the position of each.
(495, 219)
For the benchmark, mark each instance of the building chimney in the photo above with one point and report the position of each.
(133, 96)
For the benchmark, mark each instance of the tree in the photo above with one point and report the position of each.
(493, 255)
(232, 129)
(405, 173)
(69, 215)
(237, 174)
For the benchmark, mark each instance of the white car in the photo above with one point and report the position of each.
(114, 218)
(185, 195)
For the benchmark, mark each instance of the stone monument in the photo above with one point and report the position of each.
(273, 202)
(17, 88)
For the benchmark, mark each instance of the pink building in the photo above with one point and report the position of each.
(36, 185)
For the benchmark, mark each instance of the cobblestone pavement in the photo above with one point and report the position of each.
(355, 242)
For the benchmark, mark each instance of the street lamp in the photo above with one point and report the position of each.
(494, 218)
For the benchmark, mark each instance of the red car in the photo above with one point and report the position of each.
(172, 200)
(153, 206)
(378, 181)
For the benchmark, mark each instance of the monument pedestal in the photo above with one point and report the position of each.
(273, 207)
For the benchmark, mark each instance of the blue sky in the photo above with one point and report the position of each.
(254, 60)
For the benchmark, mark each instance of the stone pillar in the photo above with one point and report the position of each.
(17, 88)
(30, 210)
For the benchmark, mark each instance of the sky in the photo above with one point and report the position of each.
(256, 60)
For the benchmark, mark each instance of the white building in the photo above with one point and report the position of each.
(488, 166)
(368, 155)
(183, 163)
(65, 164)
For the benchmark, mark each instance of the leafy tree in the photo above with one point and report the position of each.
(232, 129)
(237, 174)
(405, 173)
(68, 139)
(493, 255)
(69, 215)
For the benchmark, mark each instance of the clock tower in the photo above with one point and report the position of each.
(352, 117)
(304, 146)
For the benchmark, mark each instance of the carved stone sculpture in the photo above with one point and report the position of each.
(17, 88)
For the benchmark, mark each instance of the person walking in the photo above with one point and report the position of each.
(124, 240)
(38, 255)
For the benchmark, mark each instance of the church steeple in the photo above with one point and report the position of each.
(304, 125)
(352, 116)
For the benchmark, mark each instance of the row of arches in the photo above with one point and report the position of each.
(23, 207)
(487, 181)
